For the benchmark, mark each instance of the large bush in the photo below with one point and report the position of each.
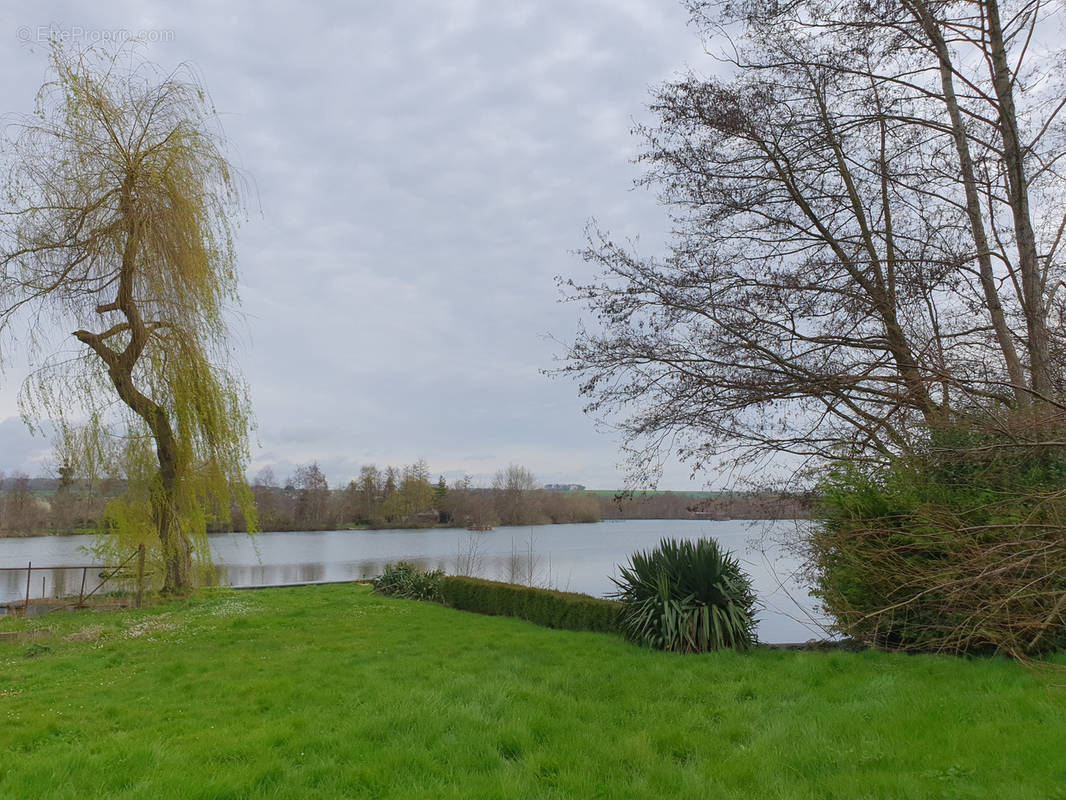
(567, 610)
(687, 597)
(960, 547)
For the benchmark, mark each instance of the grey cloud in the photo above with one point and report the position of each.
(423, 171)
(21, 451)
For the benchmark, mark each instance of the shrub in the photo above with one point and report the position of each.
(407, 580)
(959, 547)
(686, 597)
(566, 610)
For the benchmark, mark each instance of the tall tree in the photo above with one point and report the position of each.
(273, 504)
(515, 489)
(312, 499)
(119, 228)
(417, 489)
(440, 492)
(22, 512)
(64, 502)
(391, 482)
(868, 235)
(371, 487)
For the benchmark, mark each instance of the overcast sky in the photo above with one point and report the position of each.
(423, 171)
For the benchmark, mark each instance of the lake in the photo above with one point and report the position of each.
(576, 558)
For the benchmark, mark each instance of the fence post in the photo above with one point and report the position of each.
(140, 575)
(29, 572)
(81, 592)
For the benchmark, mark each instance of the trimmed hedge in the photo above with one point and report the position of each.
(566, 610)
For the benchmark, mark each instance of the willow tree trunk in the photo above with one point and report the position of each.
(177, 552)
(175, 546)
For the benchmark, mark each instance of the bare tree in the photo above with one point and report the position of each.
(868, 223)
(266, 478)
(312, 499)
(23, 512)
(275, 507)
(515, 497)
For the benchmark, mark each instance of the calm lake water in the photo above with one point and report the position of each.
(576, 558)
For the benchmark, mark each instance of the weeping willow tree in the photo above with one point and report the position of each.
(118, 269)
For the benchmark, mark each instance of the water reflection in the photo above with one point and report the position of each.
(263, 575)
(578, 558)
(53, 583)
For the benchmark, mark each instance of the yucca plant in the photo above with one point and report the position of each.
(686, 597)
(407, 580)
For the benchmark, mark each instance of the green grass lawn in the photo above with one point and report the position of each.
(324, 692)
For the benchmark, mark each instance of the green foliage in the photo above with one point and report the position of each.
(687, 597)
(440, 493)
(414, 496)
(36, 649)
(407, 580)
(128, 161)
(958, 547)
(553, 609)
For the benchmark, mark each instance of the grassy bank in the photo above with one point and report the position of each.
(332, 692)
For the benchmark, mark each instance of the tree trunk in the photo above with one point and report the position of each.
(1018, 188)
(974, 213)
(177, 551)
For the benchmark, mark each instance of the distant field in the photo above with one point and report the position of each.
(331, 692)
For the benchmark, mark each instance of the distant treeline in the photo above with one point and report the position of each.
(392, 497)
(407, 497)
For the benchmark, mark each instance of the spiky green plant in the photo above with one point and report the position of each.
(686, 597)
(407, 580)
